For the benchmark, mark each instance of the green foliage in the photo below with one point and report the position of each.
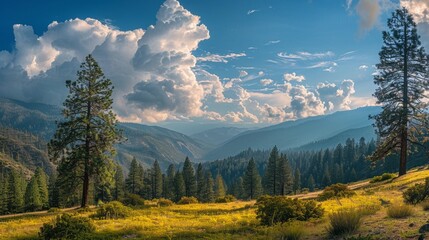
(383, 177)
(337, 190)
(54, 210)
(296, 181)
(162, 202)
(279, 209)
(208, 191)
(112, 210)
(133, 200)
(33, 200)
(16, 188)
(179, 186)
(119, 189)
(189, 178)
(399, 211)
(252, 181)
(67, 227)
(219, 187)
(288, 231)
(187, 200)
(344, 222)
(156, 180)
(417, 193)
(226, 199)
(270, 180)
(134, 181)
(42, 184)
(84, 140)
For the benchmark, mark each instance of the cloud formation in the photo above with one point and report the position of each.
(293, 77)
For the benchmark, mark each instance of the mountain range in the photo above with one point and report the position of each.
(148, 143)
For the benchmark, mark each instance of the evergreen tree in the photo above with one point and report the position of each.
(54, 191)
(134, 180)
(296, 181)
(119, 190)
(179, 186)
(156, 180)
(284, 173)
(4, 191)
(310, 183)
(252, 181)
(169, 182)
(238, 189)
(200, 182)
(33, 201)
(219, 187)
(15, 192)
(42, 184)
(326, 180)
(83, 142)
(209, 194)
(146, 189)
(402, 86)
(189, 178)
(270, 177)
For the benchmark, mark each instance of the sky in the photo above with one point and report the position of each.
(188, 63)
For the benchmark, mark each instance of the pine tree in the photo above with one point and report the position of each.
(209, 194)
(15, 192)
(284, 173)
(219, 187)
(134, 180)
(270, 177)
(189, 178)
(54, 191)
(252, 181)
(146, 189)
(156, 180)
(179, 186)
(169, 182)
(42, 184)
(200, 182)
(326, 180)
(238, 189)
(33, 200)
(296, 181)
(402, 86)
(310, 183)
(83, 142)
(119, 190)
(4, 190)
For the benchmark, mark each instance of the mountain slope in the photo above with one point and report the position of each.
(294, 134)
(367, 132)
(216, 136)
(146, 143)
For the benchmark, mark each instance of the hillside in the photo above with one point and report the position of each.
(216, 136)
(146, 143)
(297, 133)
(237, 220)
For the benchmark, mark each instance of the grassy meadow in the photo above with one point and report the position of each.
(237, 220)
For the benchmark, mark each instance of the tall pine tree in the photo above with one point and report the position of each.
(252, 181)
(156, 180)
(189, 178)
(402, 86)
(270, 178)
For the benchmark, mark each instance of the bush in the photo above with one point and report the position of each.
(279, 209)
(337, 190)
(399, 211)
(425, 205)
(344, 222)
(417, 193)
(54, 210)
(383, 177)
(288, 231)
(162, 202)
(188, 200)
(133, 200)
(226, 199)
(67, 227)
(112, 210)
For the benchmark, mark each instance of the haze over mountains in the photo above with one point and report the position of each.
(148, 143)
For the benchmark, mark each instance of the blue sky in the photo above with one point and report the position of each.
(209, 62)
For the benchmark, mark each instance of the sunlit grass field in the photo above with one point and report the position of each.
(237, 220)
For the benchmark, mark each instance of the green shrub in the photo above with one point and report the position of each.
(133, 200)
(383, 177)
(162, 202)
(337, 190)
(67, 227)
(417, 193)
(344, 222)
(279, 209)
(112, 210)
(84, 210)
(288, 231)
(399, 211)
(54, 210)
(425, 205)
(226, 199)
(188, 200)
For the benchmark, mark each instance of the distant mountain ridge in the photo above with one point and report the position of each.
(216, 136)
(293, 134)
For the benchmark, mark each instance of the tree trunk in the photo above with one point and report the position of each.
(404, 128)
(84, 202)
(403, 156)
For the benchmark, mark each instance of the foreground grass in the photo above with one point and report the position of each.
(238, 220)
